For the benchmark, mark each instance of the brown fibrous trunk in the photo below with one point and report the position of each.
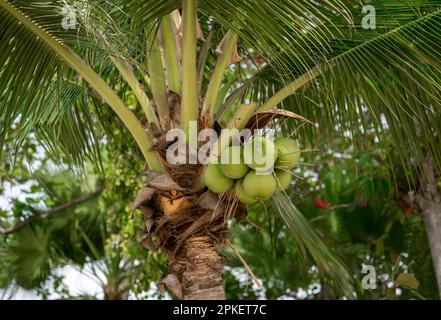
(189, 225)
(202, 279)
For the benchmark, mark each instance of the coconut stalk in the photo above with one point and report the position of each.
(202, 58)
(127, 73)
(157, 79)
(171, 54)
(241, 116)
(224, 60)
(190, 101)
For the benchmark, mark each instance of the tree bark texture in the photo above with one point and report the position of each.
(429, 202)
(188, 227)
(202, 279)
(432, 220)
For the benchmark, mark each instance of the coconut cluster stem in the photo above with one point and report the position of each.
(171, 56)
(223, 61)
(241, 116)
(202, 58)
(127, 73)
(190, 101)
(157, 79)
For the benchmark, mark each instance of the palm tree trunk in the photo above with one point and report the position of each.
(429, 203)
(202, 279)
(189, 229)
(431, 211)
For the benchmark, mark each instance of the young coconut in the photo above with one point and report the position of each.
(260, 153)
(215, 180)
(241, 194)
(288, 153)
(232, 164)
(283, 179)
(259, 186)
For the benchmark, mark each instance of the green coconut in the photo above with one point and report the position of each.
(215, 180)
(241, 194)
(288, 153)
(259, 186)
(232, 164)
(260, 153)
(283, 179)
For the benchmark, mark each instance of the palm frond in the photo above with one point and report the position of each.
(310, 243)
(36, 26)
(383, 81)
(27, 254)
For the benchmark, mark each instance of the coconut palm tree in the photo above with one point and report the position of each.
(219, 64)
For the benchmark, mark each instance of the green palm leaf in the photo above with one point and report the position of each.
(34, 47)
(310, 243)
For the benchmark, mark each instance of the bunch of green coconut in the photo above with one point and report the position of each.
(255, 170)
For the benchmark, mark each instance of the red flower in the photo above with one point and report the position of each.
(259, 60)
(322, 204)
(408, 212)
(363, 203)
